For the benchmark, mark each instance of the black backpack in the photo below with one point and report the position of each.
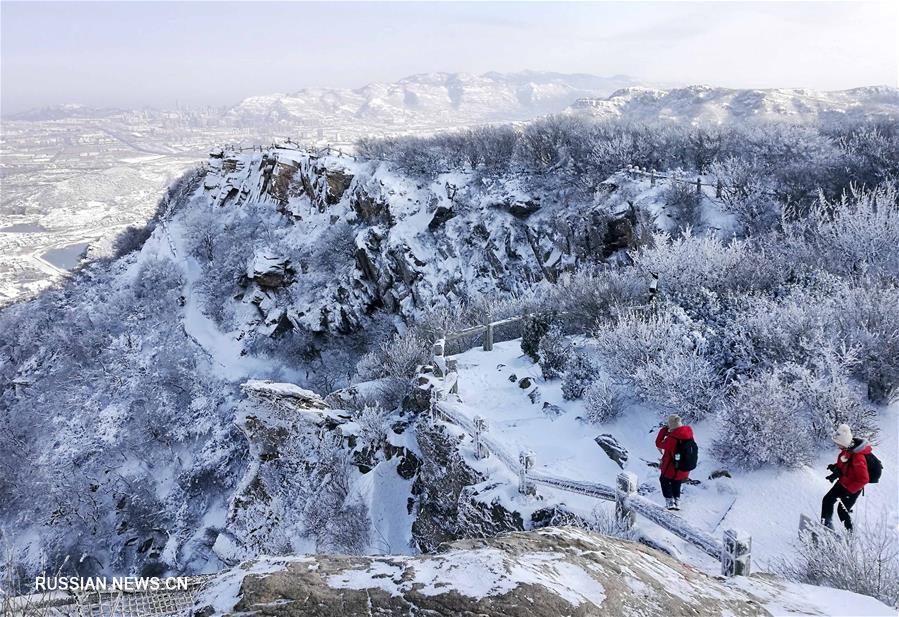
(875, 468)
(686, 455)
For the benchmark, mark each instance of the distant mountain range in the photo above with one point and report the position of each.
(433, 97)
(434, 100)
(705, 104)
(427, 98)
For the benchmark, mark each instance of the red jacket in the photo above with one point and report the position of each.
(853, 466)
(667, 441)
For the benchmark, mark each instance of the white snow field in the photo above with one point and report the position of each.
(765, 503)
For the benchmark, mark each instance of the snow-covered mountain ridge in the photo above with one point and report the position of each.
(266, 265)
(144, 378)
(712, 105)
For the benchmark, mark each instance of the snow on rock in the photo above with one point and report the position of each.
(270, 271)
(268, 389)
(550, 572)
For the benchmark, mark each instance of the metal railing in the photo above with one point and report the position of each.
(733, 551)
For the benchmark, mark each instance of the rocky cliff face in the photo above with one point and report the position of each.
(273, 265)
(551, 572)
(394, 244)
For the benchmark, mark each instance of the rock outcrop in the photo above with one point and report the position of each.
(613, 448)
(545, 573)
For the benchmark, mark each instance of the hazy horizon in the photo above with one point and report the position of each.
(140, 54)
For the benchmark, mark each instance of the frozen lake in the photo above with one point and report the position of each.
(66, 257)
(23, 228)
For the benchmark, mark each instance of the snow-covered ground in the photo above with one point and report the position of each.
(766, 503)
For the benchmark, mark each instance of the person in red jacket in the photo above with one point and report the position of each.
(669, 477)
(851, 475)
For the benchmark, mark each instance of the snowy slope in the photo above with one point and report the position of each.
(711, 105)
(765, 503)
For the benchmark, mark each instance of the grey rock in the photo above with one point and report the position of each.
(418, 399)
(271, 271)
(524, 209)
(611, 577)
(553, 411)
(441, 216)
(525, 383)
(719, 473)
(535, 396)
(613, 449)
(338, 183)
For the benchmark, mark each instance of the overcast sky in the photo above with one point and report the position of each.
(128, 54)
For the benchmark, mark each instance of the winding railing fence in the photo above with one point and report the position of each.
(734, 549)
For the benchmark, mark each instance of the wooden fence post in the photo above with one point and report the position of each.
(488, 336)
(699, 186)
(652, 177)
(718, 189)
(527, 459)
(735, 553)
(626, 483)
(452, 367)
(480, 449)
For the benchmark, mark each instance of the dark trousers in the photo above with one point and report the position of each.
(670, 488)
(838, 493)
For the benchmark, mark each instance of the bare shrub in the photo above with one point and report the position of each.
(374, 425)
(579, 374)
(603, 400)
(685, 204)
(763, 423)
(554, 350)
(865, 561)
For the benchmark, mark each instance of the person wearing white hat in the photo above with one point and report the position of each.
(851, 475)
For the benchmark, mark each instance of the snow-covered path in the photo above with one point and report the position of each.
(766, 503)
(224, 349)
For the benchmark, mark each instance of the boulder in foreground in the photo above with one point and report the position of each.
(549, 572)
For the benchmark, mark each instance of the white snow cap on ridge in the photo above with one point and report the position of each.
(283, 390)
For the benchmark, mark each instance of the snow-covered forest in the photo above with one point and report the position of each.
(130, 446)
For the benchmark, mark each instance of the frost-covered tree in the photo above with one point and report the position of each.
(580, 371)
(535, 328)
(554, 350)
(691, 265)
(603, 400)
(663, 357)
(763, 423)
(747, 194)
(859, 233)
(682, 202)
(374, 424)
